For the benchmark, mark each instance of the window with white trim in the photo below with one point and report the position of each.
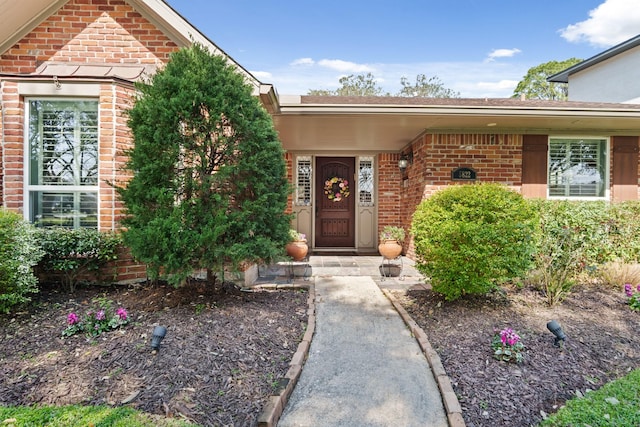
(62, 169)
(577, 167)
(365, 181)
(303, 180)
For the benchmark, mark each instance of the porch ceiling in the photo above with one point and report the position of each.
(390, 126)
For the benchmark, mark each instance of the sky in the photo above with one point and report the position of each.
(478, 48)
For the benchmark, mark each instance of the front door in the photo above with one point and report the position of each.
(335, 202)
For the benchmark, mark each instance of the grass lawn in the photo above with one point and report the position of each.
(615, 404)
(82, 416)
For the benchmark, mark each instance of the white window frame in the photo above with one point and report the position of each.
(606, 160)
(62, 189)
(303, 187)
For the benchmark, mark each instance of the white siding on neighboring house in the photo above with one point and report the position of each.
(616, 79)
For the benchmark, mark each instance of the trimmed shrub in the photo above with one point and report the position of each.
(19, 252)
(75, 254)
(470, 239)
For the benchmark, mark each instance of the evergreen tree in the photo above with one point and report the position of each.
(209, 185)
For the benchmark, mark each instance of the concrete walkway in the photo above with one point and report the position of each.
(364, 368)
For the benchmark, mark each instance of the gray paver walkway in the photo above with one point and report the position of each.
(364, 367)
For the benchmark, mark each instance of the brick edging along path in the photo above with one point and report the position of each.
(274, 407)
(449, 398)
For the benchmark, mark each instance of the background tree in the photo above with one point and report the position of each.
(534, 85)
(353, 85)
(366, 85)
(209, 183)
(424, 87)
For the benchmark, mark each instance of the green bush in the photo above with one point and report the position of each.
(469, 239)
(579, 236)
(19, 252)
(76, 253)
(615, 404)
(624, 231)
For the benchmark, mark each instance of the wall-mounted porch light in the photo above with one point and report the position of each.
(405, 161)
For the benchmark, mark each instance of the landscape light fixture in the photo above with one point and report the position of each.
(158, 335)
(556, 330)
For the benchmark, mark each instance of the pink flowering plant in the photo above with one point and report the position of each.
(633, 295)
(507, 346)
(95, 322)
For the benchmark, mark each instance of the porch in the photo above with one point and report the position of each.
(342, 265)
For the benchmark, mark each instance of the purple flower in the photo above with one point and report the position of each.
(100, 315)
(508, 336)
(638, 288)
(122, 313)
(627, 289)
(72, 319)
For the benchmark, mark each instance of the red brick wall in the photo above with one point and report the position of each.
(495, 158)
(389, 190)
(288, 159)
(90, 31)
(13, 146)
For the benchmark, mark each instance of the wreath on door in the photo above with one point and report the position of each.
(336, 189)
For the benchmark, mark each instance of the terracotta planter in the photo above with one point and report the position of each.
(297, 250)
(390, 249)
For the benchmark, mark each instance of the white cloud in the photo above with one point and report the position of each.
(302, 61)
(613, 22)
(499, 86)
(471, 79)
(344, 66)
(262, 75)
(502, 53)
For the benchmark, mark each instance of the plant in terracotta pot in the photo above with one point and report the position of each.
(391, 239)
(297, 247)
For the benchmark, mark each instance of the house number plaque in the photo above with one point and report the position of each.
(463, 174)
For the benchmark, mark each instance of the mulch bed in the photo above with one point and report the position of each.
(602, 345)
(222, 357)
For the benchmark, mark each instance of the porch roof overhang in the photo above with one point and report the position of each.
(388, 124)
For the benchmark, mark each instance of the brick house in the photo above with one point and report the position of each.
(543, 149)
(67, 70)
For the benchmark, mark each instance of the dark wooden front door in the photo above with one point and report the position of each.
(335, 202)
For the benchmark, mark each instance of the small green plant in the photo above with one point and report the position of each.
(294, 236)
(634, 296)
(19, 252)
(95, 322)
(391, 232)
(200, 308)
(76, 253)
(507, 346)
